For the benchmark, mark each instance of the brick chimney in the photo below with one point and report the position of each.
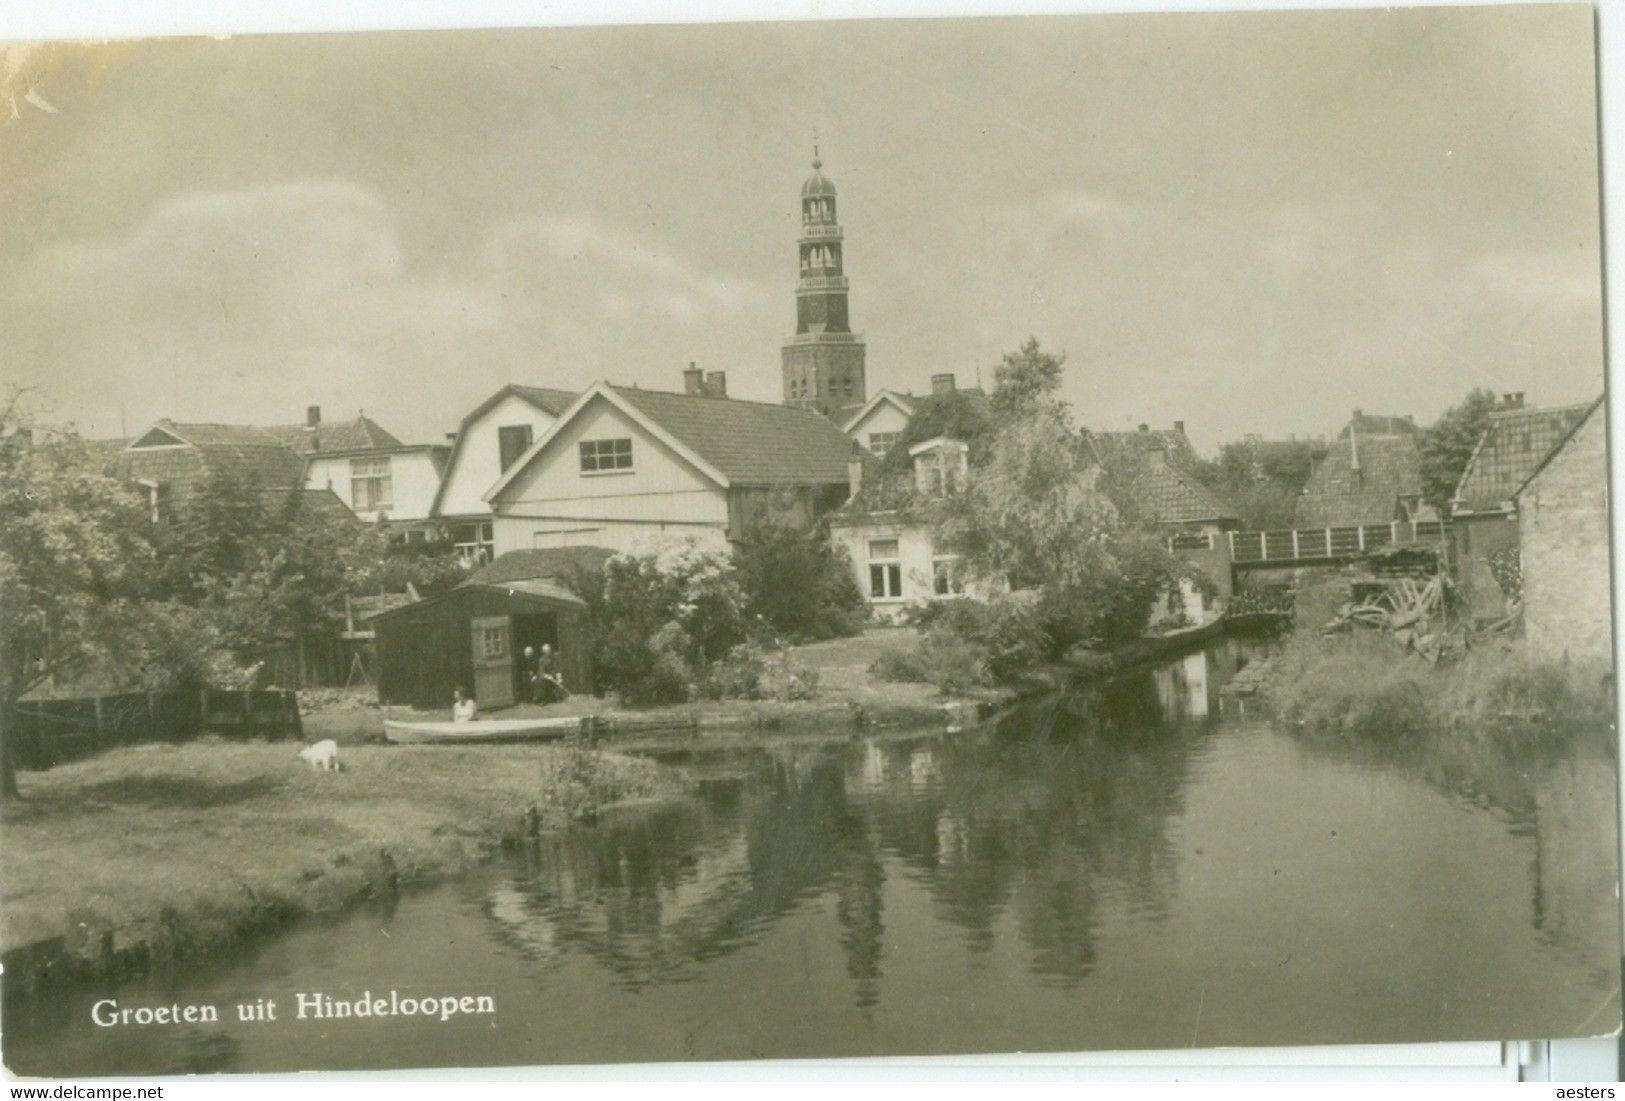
(943, 383)
(1145, 428)
(693, 380)
(1179, 426)
(716, 384)
(313, 416)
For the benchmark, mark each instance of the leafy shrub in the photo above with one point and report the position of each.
(794, 581)
(657, 620)
(1010, 630)
(750, 672)
(944, 657)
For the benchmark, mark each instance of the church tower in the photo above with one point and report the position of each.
(823, 361)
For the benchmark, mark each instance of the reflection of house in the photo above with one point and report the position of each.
(396, 483)
(171, 460)
(486, 444)
(1563, 533)
(1483, 513)
(1372, 474)
(622, 466)
(894, 553)
(469, 637)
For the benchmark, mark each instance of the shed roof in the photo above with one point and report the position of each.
(1340, 494)
(541, 562)
(1516, 442)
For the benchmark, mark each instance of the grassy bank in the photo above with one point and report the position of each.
(848, 695)
(1364, 685)
(165, 851)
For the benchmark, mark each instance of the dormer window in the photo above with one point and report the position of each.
(940, 466)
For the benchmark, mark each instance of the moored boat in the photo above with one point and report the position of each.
(406, 731)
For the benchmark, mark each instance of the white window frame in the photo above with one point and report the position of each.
(372, 484)
(606, 456)
(945, 568)
(890, 571)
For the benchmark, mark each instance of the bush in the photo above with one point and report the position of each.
(945, 658)
(657, 620)
(794, 581)
(750, 672)
(1009, 630)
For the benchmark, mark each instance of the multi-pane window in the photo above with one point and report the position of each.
(512, 439)
(946, 579)
(882, 442)
(473, 542)
(370, 488)
(597, 455)
(885, 570)
(493, 642)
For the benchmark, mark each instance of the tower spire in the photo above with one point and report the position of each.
(823, 363)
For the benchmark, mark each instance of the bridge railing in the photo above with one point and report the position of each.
(1310, 544)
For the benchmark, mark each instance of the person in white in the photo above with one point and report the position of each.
(463, 708)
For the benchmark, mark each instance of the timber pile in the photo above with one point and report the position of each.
(1404, 593)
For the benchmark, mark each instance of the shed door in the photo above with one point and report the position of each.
(493, 661)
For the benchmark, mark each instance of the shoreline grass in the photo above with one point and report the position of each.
(1365, 686)
(161, 852)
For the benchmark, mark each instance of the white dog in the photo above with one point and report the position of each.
(323, 756)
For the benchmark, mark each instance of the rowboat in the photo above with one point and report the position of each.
(481, 730)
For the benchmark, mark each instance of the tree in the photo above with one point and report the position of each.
(73, 554)
(1261, 478)
(1448, 445)
(1025, 380)
(824, 600)
(1039, 513)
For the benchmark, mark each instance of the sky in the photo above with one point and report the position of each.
(1253, 223)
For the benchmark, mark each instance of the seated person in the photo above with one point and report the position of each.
(463, 709)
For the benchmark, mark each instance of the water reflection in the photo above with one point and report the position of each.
(1041, 819)
(1122, 868)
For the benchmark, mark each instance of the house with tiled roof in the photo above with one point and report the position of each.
(171, 460)
(1154, 474)
(487, 443)
(879, 423)
(394, 484)
(1484, 510)
(1371, 474)
(1563, 539)
(623, 467)
(884, 529)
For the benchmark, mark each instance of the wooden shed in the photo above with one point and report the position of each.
(472, 636)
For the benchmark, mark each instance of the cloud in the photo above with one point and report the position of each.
(248, 303)
(573, 248)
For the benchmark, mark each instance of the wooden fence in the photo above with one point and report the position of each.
(51, 732)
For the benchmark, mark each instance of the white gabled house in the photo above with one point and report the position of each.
(487, 443)
(397, 484)
(623, 467)
(880, 421)
(896, 558)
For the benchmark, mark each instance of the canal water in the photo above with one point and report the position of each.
(1134, 868)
